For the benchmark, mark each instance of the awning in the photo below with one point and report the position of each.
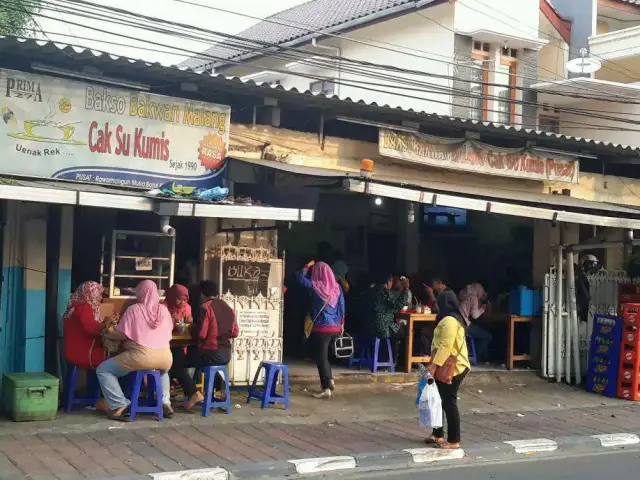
(562, 92)
(557, 214)
(87, 195)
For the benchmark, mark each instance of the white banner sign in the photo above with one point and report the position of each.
(470, 156)
(54, 128)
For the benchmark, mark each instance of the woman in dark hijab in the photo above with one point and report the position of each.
(449, 338)
(448, 306)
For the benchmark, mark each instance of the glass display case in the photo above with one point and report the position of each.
(129, 257)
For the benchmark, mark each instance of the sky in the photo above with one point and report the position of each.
(115, 39)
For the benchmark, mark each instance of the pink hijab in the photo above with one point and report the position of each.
(148, 323)
(324, 283)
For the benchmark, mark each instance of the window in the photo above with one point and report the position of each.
(326, 87)
(547, 123)
(479, 78)
(505, 93)
(509, 52)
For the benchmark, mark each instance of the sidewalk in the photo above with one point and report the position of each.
(369, 422)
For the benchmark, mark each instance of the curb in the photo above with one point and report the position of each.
(410, 458)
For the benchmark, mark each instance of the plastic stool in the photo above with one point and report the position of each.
(359, 352)
(471, 348)
(70, 384)
(210, 402)
(154, 389)
(269, 395)
(375, 362)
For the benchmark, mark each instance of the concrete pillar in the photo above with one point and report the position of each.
(35, 235)
(66, 256)
(614, 257)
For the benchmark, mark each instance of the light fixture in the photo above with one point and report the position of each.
(563, 152)
(378, 201)
(38, 67)
(366, 168)
(411, 213)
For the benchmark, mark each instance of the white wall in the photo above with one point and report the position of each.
(421, 44)
(509, 17)
(621, 111)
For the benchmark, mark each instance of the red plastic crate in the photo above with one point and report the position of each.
(629, 391)
(630, 313)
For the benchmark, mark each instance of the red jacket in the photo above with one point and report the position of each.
(81, 332)
(216, 326)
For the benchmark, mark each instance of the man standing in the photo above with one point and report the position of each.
(473, 304)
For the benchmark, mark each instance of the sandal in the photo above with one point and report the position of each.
(431, 440)
(449, 446)
(122, 417)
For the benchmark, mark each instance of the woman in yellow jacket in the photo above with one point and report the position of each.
(449, 338)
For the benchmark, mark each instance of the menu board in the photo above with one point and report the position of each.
(241, 278)
(604, 355)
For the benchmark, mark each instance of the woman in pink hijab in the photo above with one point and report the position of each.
(327, 313)
(145, 332)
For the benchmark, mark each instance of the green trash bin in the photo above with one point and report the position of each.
(30, 397)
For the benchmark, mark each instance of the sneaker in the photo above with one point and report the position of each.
(324, 395)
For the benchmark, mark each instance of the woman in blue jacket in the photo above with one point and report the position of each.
(327, 312)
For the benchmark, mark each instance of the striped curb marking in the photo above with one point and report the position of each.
(430, 455)
(327, 464)
(617, 439)
(202, 474)
(535, 445)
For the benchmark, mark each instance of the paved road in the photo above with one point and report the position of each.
(621, 465)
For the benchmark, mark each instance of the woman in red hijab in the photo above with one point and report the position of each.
(177, 302)
(83, 326)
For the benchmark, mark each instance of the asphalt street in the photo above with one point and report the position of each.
(618, 465)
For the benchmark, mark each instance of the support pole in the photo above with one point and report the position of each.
(569, 333)
(573, 316)
(559, 329)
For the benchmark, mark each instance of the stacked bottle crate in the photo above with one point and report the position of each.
(629, 371)
(604, 355)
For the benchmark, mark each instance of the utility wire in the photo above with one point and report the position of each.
(303, 61)
(442, 90)
(369, 42)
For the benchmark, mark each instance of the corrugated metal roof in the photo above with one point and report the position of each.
(123, 67)
(632, 2)
(304, 20)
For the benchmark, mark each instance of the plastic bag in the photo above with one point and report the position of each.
(429, 403)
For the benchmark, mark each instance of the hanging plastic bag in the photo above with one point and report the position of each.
(429, 403)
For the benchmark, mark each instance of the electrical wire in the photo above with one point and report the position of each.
(368, 64)
(439, 90)
(557, 38)
(369, 42)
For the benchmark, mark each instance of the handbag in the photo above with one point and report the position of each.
(446, 372)
(308, 322)
(343, 346)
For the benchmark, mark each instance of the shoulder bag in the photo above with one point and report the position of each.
(446, 372)
(308, 322)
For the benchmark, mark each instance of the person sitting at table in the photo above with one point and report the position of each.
(177, 301)
(213, 328)
(386, 303)
(473, 304)
(83, 327)
(145, 333)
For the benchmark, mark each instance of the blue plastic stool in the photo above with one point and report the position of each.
(70, 385)
(375, 362)
(359, 352)
(471, 347)
(268, 395)
(210, 403)
(153, 401)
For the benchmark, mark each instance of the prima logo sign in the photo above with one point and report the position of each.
(26, 89)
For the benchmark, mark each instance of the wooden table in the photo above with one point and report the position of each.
(412, 318)
(181, 340)
(511, 321)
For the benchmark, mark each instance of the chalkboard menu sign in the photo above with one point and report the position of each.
(241, 278)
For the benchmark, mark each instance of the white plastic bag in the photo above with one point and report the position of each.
(430, 405)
